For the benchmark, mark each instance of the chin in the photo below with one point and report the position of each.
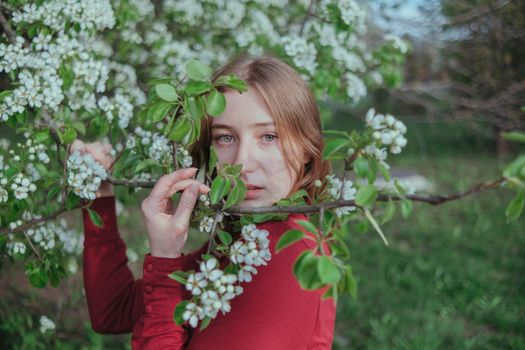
(254, 203)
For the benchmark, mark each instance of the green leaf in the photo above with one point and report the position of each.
(339, 247)
(72, 200)
(332, 146)
(145, 164)
(10, 172)
(329, 293)
(95, 218)
(179, 276)
(53, 192)
(307, 225)
(307, 273)
(289, 238)
(299, 195)
(68, 136)
(514, 168)
(195, 107)
(197, 70)
(166, 92)
(80, 127)
(179, 311)
(373, 221)
(350, 285)
(180, 129)
(366, 195)
(384, 171)
(327, 270)
(361, 167)
(234, 196)
(204, 323)
(37, 276)
(390, 211)
(216, 103)
(515, 207)
(514, 136)
(158, 111)
(67, 76)
(219, 188)
(232, 81)
(42, 135)
(406, 208)
(225, 237)
(196, 87)
(212, 163)
(298, 261)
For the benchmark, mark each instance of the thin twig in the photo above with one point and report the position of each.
(33, 222)
(5, 7)
(11, 34)
(321, 231)
(174, 148)
(32, 246)
(213, 229)
(116, 159)
(348, 167)
(306, 16)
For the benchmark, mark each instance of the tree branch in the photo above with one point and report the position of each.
(306, 16)
(305, 209)
(11, 35)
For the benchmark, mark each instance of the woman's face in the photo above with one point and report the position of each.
(245, 134)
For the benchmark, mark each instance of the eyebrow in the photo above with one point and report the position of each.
(256, 125)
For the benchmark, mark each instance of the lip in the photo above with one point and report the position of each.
(253, 191)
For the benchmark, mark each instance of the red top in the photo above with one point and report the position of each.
(273, 312)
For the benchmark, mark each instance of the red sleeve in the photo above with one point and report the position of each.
(156, 328)
(119, 304)
(114, 298)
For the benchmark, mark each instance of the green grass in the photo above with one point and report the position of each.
(452, 276)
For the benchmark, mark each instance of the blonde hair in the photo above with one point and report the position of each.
(294, 110)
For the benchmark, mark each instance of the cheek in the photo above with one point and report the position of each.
(225, 154)
(280, 173)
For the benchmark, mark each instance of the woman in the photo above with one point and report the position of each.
(274, 130)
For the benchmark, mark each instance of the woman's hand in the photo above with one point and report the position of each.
(102, 154)
(168, 227)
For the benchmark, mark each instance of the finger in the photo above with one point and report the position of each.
(183, 184)
(78, 145)
(161, 190)
(186, 204)
(98, 154)
(162, 204)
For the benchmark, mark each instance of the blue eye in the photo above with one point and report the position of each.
(221, 138)
(272, 137)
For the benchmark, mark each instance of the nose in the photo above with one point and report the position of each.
(246, 155)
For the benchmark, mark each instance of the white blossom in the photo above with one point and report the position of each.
(193, 314)
(84, 175)
(4, 196)
(355, 87)
(302, 53)
(397, 42)
(388, 131)
(46, 324)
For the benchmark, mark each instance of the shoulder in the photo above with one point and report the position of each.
(277, 229)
